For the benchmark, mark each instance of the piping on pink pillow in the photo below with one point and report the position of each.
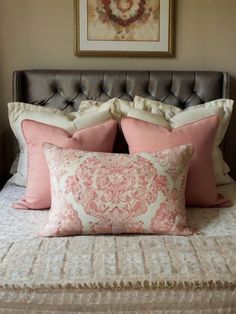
(101, 193)
(95, 138)
(201, 187)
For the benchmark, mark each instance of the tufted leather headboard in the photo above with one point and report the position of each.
(65, 89)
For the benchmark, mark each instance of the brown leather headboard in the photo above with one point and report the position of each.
(65, 89)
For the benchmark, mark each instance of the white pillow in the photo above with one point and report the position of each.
(221, 107)
(71, 122)
(140, 109)
(117, 107)
(154, 106)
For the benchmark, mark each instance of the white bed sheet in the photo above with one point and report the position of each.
(25, 224)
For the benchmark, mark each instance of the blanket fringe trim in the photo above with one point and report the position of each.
(126, 285)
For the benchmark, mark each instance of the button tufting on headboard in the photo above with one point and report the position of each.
(67, 88)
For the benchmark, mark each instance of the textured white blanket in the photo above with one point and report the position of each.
(113, 268)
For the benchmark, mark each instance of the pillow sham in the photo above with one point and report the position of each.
(140, 108)
(117, 107)
(220, 107)
(18, 111)
(95, 138)
(155, 106)
(101, 193)
(201, 184)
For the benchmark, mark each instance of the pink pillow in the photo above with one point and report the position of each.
(97, 193)
(95, 138)
(201, 183)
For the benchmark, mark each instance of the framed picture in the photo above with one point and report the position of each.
(128, 28)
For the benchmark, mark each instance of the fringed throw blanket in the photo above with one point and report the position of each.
(118, 273)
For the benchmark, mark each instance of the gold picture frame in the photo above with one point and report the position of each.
(124, 28)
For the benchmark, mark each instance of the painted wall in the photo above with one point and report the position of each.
(40, 34)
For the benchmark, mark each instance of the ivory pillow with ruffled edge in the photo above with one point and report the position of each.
(120, 108)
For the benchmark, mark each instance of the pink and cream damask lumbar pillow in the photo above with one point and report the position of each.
(102, 193)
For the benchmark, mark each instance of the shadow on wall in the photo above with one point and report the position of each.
(10, 151)
(230, 137)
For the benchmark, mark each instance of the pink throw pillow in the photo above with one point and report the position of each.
(101, 193)
(95, 138)
(201, 183)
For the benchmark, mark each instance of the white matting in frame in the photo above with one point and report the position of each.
(128, 24)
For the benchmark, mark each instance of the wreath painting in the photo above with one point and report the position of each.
(124, 20)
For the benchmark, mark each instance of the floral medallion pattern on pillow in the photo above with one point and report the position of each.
(102, 193)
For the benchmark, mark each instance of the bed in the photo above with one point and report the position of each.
(125, 273)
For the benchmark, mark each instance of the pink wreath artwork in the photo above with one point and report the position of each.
(123, 12)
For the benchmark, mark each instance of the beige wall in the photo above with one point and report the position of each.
(39, 34)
